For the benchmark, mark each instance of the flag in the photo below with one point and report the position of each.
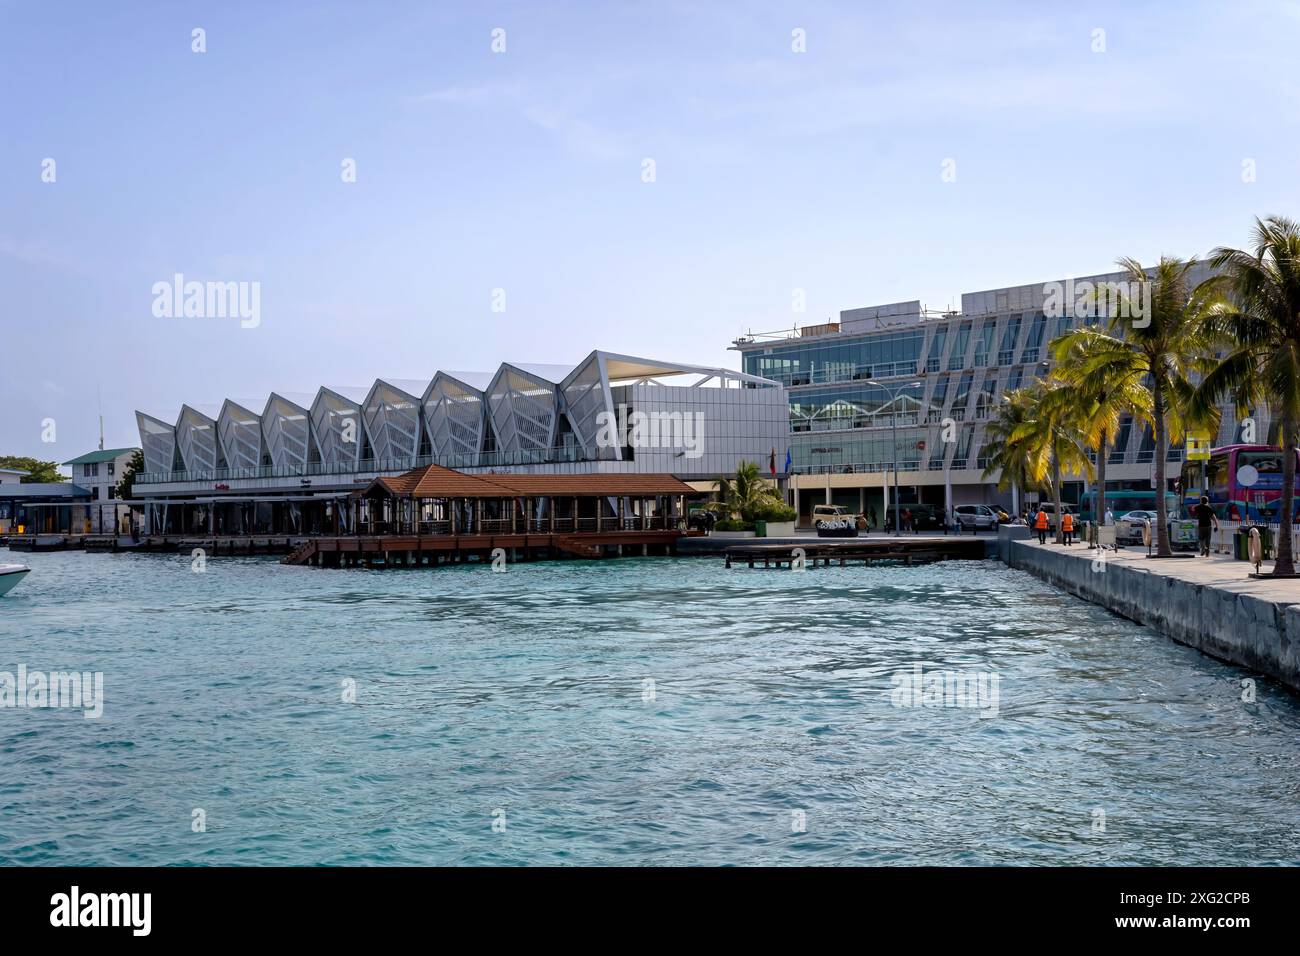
(788, 461)
(771, 462)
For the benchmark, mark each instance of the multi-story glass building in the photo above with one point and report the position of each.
(937, 378)
(276, 464)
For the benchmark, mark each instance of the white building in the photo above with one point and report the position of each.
(897, 383)
(99, 473)
(275, 465)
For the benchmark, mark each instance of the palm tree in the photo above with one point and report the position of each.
(1053, 438)
(1106, 379)
(1172, 339)
(746, 491)
(1255, 299)
(1010, 459)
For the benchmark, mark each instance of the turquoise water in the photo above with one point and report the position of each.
(526, 692)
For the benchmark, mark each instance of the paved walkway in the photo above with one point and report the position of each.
(1218, 570)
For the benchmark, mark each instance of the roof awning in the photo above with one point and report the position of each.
(434, 481)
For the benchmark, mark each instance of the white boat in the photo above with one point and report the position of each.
(10, 575)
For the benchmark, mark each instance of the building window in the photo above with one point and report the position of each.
(959, 400)
(1116, 456)
(1034, 343)
(936, 349)
(984, 343)
(957, 360)
(1007, 353)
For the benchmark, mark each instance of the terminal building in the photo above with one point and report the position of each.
(283, 463)
(930, 375)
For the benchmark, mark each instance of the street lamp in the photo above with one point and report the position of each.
(893, 418)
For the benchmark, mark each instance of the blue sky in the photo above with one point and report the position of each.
(775, 170)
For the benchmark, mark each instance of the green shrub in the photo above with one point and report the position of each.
(775, 511)
(730, 525)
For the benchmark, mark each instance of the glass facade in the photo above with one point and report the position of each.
(586, 396)
(814, 361)
(336, 423)
(392, 418)
(454, 414)
(860, 406)
(1033, 351)
(241, 436)
(542, 415)
(286, 432)
(523, 409)
(957, 358)
(196, 437)
(962, 366)
(157, 443)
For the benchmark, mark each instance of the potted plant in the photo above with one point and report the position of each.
(774, 520)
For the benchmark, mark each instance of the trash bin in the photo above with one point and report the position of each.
(760, 529)
(1241, 543)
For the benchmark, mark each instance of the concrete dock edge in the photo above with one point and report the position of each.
(1257, 633)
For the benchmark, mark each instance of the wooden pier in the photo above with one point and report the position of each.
(904, 550)
(438, 549)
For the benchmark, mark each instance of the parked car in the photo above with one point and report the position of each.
(974, 517)
(1128, 527)
(924, 517)
(837, 513)
(844, 527)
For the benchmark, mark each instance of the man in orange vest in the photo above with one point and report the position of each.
(1040, 525)
(1067, 527)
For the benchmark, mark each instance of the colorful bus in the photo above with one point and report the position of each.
(1121, 501)
(1243, 482)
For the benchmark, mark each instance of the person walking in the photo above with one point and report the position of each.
(1206, 520)
(907, 519)
(1067, 527)
(1040, 525)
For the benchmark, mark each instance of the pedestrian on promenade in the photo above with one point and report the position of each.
(1067, 527)
(1205, 520)
(1040, 525)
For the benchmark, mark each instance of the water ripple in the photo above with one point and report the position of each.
(623, 712)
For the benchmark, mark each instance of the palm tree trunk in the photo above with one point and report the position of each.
(1162, 453)
(1285, 563)
(1056, 497)
(1100, 516)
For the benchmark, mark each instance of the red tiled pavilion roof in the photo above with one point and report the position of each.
(435, 481)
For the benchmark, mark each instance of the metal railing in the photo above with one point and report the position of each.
(520, 525)
(856, 373)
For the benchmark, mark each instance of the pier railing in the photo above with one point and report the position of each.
(520, 525)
